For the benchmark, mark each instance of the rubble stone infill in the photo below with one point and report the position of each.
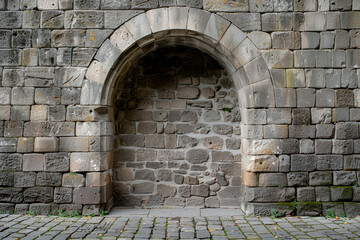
(235, 227)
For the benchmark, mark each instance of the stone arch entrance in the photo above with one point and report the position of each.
(179, 26)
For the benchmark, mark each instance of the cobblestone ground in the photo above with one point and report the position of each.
(237, 227)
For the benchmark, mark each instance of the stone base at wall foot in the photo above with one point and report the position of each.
(269, 209)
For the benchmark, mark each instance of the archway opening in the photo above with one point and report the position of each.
(177, 141)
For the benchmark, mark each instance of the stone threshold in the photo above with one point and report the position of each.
(175, 212)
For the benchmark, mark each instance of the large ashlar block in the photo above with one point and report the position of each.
(231, 39)
(139, 27)
(264, 163)
(98, 179)
(245, 52)
(90, 162)
(122, 38)
(226, 6)
(91, 93)
(107, 54)
(261, 147)
(353, 58)
(270, 194)
(74, 144)
(257, 70)
(33, 162)
(262, 40)
(315, 21)
(197, 20)
(97, 72)
(350, 20)
(46, 144)
(178, 17)
(278, 58)
(158, 19)
(68, 38)
(260, 94)
(216, 27)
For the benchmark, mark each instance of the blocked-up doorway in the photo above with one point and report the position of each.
(177, 139)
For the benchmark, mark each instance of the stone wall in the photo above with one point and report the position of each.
(293, 63)
(178, 125)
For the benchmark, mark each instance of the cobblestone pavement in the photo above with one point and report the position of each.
(212, 227)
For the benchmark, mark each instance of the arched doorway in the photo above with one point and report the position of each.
(194, 28)
(177, 132)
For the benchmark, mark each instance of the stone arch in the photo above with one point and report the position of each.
(191, 27)
(205, 31)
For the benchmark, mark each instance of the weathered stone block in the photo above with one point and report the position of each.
(305, 194)
(87, 195)
(46, 144)
(89, 162)
(197, 156)
(270, 194)
(39, 194)
(344, 178)
(303, 162)
(322, 178)
(341, 193)
(309, 208)
(143, 188)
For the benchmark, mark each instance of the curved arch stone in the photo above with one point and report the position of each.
(196, 28)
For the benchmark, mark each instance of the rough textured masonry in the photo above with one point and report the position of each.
(85, 124)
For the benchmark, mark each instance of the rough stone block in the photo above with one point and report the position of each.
(12, 129)
(286, 40)
(342, 146)
(40, 208)
(268, 163)
(270, 194)
(39, 194)
(309, 208)
(73, 180)
(24, 179)
(344, 178)
(87, 195)
(341, 193)
(295, 179)
(52, 19)
(303, 162)
(305, 194)
(272, 179)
